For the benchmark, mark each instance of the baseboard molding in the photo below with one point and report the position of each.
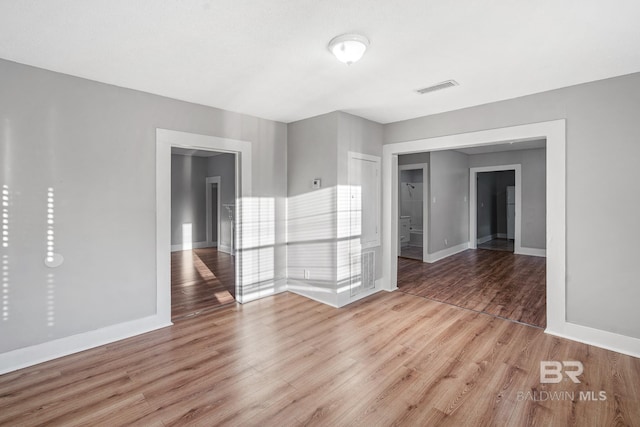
(194, 245)
(316, 293)
(599, 338)
(225, 248)
(486, 239)
(29, 356)
(437, 256)
(532, 252)
(501, 235)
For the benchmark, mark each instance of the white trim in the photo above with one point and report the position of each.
(599, 338)
(194, 245)
(225, 248)
(29, 356)
(486, 239)
(425, 203)
(165, 139)
(555, 134)
(501, 235)
(209, 226)
(437, 256)
(473, 203)
(533, 252)
(352, 155)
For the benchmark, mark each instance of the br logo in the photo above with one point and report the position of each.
(552, 371)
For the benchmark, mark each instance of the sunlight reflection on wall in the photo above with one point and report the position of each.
(311, 236)
(349, 250)
(256, 248)
(50, 242)
(5, 256)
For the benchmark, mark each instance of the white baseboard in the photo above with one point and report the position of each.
(324, 295)
(225, 248)
(437, 256)
(194, 245)
(29, 356)
(608, 340)
(486, 239)
(501, 235)
(532, 252)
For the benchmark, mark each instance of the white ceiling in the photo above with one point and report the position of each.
(269, 58)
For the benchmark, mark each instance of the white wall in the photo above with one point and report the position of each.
(94, 144)
(602, 152)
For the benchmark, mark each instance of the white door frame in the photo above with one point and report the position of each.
(208, 181)
(165, 139)
(473, 204)
(425, 205)
(554, 132)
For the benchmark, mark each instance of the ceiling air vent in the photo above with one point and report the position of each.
(438, 86)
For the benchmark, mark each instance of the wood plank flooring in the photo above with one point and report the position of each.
(495, 282)
(201, 280)
(390, 359)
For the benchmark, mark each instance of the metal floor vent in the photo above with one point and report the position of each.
(439, 86)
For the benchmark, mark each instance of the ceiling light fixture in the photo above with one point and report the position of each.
(348, 48)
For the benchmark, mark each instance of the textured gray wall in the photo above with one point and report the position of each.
(602, 152)
(95, 145)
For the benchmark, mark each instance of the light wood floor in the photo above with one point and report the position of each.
(391, 359)
(201, 280)
(495, 282)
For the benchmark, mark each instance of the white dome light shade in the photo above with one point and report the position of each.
(348, 48)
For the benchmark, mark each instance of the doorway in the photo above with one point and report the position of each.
(495, 210)
(202, 259)
(165, 140)
(413, 197)
(555, 175)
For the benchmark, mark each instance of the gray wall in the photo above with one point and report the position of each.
(449, 213)
(318, 148)
(95, 145)
(602, 153)
(534, 192)
(188, 174)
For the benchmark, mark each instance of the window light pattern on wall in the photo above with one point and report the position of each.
(5, 256)
(50, 257)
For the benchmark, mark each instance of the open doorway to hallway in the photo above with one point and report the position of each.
(203, 194)
(495, 210)
(464, 208)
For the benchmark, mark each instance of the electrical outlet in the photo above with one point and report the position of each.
(307, 274)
